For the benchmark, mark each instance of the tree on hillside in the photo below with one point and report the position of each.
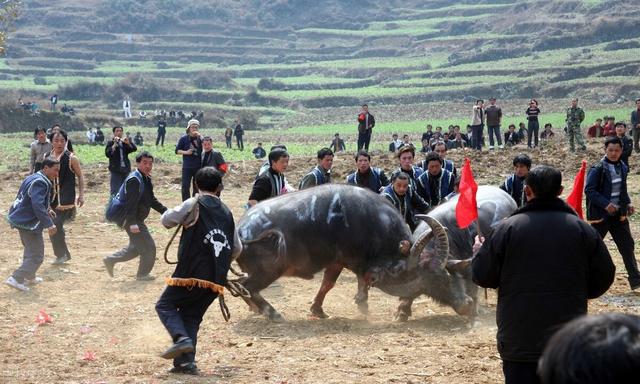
(9, 11)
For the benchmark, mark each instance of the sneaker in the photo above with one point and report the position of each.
(108, 264)
(61, 260)
(501, 146)
(491, 147)
(186, 369)
(145, 278)
(12, 282)
(34, 281)
(183, 345)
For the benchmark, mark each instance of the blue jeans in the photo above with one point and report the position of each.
(33, 255)
(181, 310)
(494, 130)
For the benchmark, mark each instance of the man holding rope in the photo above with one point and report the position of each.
(208, 243)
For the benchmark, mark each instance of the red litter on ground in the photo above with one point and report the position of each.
(43, 318)
(89, 356)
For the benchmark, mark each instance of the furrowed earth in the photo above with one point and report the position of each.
(105, 330)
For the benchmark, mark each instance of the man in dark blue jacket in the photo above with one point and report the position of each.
(190, 148)
(366, 176)
(118, 150)
(546, 264)
(609, 205)
(139, 201)
(30, 214)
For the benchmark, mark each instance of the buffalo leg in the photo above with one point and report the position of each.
(362, 296)
(254, 285)
(404, 309)
(331, 274)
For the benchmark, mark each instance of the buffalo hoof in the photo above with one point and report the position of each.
(363, 307)
(318, 312)
(276, 317)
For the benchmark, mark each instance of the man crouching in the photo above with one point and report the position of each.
(208, 244)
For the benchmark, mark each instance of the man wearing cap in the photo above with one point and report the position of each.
(493, 114)
(190, 148)
(575, 116)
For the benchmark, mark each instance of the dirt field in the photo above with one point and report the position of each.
(106, 330)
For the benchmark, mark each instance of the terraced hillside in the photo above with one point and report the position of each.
(279, 59)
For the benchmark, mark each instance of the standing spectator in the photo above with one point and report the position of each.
(91, 136)
(337, 144)
(320, 174)
(575, 117)
(138, 139)
(406, 156)
(596, 130)
(259, 152)
(635, 126)
(533, 112)
(435, 183)
(228, 135)
(99, 136)
(366, 122)
(494, 118)
(117, 151)
(162, 132)
(212, 158)
(30, 214)
(514, 184)
(428, 134)
(189, 146)
(126, 107)
(139, 201)
(511, 137)
(53, 100)
(546, 263)
(627, 142)
(238, 132)
(395, 143)
(38, 149)
(365, 176)
(55, 128)
(405, 199)
(609, 205)
(272, 182)
(477, 125)
(64, 200)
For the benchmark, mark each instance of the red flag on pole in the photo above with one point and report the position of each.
(575, 198)
(467, 207)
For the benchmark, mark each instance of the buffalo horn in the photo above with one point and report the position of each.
(439, 233)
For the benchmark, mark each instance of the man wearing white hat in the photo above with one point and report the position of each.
(190, 148)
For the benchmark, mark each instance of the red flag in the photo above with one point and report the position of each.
(467, 207)
(575, 198)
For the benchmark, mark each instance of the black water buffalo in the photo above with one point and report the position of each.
(441, 270)
(328, 227)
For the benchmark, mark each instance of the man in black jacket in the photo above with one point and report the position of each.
(546, 263)
(366, 122)
(118, 150)
(139, 201)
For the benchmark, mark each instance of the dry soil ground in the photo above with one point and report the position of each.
(105, 330)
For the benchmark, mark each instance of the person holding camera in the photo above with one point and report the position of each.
(190, 148)
(118, 150)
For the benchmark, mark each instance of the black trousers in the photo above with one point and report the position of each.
(621, 234)
(181, 310)
(532, 129)
(59, 240)
(160, 138)
(240, 143)
(520, 372)
(477, 132)
(364, 138)
(187, 181)
(140, 244)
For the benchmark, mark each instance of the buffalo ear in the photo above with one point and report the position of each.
(404, 247)
(462, 267)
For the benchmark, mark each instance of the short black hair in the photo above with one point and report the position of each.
(399, 176)
(593, 349)
(512, 125)
(206, 138)
(276, 155)
(324, 152)
(545, 182)
(116, 127)
(479, 101)
(613, 140)
(143, 155)
(56, 125)
(38, 130)
(364, 153)
(637, 100)
(208, 179)
(61, 132)
(49, 161)
(523, 159)
(407, 148)
(621, 123)
(365, 105)
(548, 125)
(278, 146)
(432, 156)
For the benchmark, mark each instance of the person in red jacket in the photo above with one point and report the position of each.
(596, 130)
